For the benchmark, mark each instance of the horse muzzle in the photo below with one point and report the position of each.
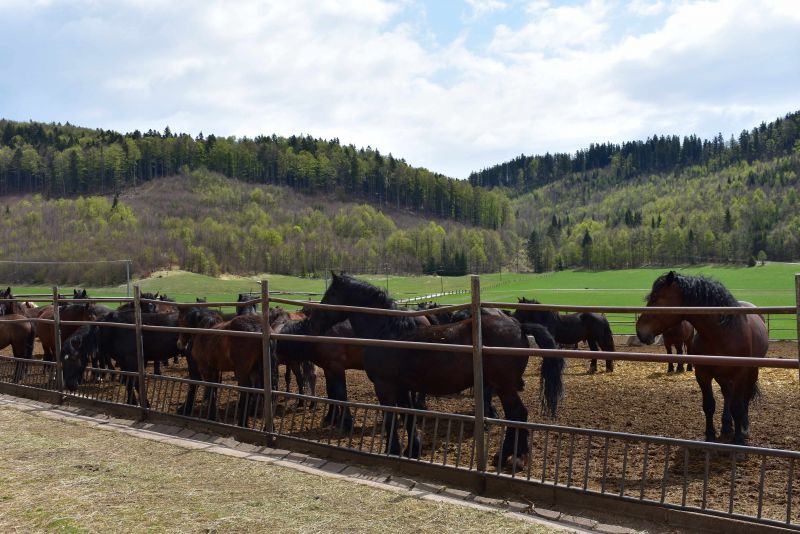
(645, 335)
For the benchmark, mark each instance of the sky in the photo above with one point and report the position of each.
(451, 85)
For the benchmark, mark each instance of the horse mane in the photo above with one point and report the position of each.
(699, 291)
(370, 296)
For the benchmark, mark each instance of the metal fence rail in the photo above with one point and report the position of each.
(713, 479)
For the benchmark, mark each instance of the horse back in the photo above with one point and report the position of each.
(12, 332)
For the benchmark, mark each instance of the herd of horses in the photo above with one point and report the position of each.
(401, 376)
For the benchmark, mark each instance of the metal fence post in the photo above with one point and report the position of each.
(57, 340)
(477, 373)
(137, 313)
(267, 359)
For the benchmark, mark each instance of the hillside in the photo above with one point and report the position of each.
(206, 223)
(291, 205)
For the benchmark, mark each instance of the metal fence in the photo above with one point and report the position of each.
(757, 485)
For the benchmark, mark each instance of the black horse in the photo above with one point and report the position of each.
(246, 310)
(396, 373)
(120, 345)
(572, 328)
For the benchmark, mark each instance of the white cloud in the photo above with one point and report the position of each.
(557, 79)
(646, 8)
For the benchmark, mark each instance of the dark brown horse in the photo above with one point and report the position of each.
(303, 369)
(69, 312)
(20, 335)
(396, 373)
(212, 355)
(678, 337)
(333, 359)
(720, 335)
(572, 328)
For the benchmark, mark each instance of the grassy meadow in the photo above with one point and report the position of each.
(768, 285)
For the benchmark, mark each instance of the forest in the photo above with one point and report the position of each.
(298, 205)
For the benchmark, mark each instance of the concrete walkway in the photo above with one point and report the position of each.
(188, 439)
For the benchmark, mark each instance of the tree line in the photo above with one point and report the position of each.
(63, 160)
(656, 154)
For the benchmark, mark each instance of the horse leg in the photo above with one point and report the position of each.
(410, 422)
(727, 419)
(420, 400)
(688, 365)
(515, 440)
(488, 408)
(606, 343)
(310, 379)
(739, 413)
(670, 367)
(194, 374)
(287, 377)
(336, 384)
(679, 350)
(156, 367)
(709, 405)
(387, 396)
(593, 364)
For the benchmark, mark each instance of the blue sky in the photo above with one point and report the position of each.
(452, 85)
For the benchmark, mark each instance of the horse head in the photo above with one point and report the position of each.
(75, 354)
(338, 293)
(249, 308)
(542, 317)
(79, 294)
(195, 318)
(666, 292)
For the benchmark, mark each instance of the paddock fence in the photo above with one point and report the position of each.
(753, 486)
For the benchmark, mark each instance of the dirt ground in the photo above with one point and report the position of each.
(638, 398)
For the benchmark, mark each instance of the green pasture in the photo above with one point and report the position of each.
(768, 285)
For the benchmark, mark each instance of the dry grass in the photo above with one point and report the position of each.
(67, 477)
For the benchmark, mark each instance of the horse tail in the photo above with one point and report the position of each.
(606, 341)
(30, 339)
(551, 380)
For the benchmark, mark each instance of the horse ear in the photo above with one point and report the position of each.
(670, 277)
(334, 276)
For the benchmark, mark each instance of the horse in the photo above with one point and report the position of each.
(304, 370)
(248, 309)
(211, 355)
(20, 335)
(679, 336)
(148, 307)
(67, 312)
(396, 373)
(120, 345)
(728, 335)
(334, 360)
(572, 328)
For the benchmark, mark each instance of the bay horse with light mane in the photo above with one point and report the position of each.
(678, 337)
(396, 373)
(717, 335)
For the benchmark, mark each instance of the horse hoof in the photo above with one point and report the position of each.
(592, 370)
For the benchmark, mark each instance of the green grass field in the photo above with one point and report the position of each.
(768, 285)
